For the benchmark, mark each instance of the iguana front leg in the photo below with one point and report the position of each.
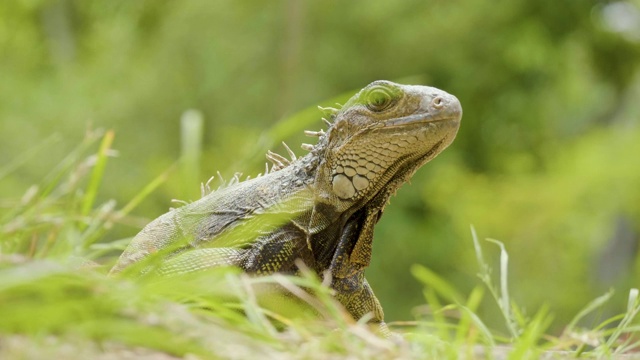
(273, 252)
(355, 294)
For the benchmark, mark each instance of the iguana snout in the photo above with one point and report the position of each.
(443, 105)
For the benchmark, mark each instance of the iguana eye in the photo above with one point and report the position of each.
(379, 98)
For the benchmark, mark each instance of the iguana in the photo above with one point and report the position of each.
(319, 209)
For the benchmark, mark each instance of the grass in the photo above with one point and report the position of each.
(56, 300)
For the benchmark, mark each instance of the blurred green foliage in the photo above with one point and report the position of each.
(546, 158)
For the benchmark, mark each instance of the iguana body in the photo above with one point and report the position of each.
(320, 208)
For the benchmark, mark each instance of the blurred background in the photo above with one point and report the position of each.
(547, 159)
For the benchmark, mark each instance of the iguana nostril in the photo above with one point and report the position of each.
(437, 102)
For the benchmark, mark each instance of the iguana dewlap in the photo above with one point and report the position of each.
(320, 208)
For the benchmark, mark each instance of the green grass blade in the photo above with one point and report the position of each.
(97, 173)
(146, 191)
(53, 179)
(504, 302)
(591, 306)
(484, 330)
(26, 156)
(464, 327)
(527, 345)
(431, 279)
(633, 309)
(191, 134)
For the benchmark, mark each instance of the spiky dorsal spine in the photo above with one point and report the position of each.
(278, 161)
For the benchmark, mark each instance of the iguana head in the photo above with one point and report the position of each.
(380, 137)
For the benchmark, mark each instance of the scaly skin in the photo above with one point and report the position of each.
(320, 208)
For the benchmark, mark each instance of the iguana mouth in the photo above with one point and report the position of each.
(417, 119)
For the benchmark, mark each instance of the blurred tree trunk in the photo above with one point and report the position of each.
(57, 26)
(290, 55)
(615, 261)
